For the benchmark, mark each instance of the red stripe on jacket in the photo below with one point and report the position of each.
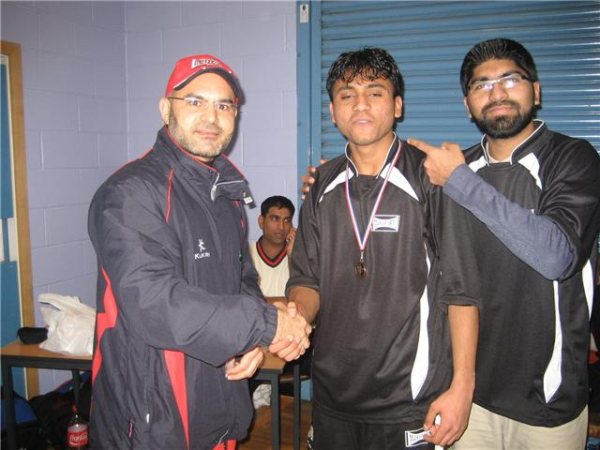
(104, 320)
(175, 362)
(169, 189)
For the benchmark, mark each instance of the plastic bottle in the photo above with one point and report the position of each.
(77, 432)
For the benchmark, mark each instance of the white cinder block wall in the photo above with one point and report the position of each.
(92, 75)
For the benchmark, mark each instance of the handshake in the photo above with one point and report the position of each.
(291, 338)
(290, 342)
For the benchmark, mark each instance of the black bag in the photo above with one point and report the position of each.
(55, 409)
(29, 434)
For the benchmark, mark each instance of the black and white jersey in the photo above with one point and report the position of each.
(381, 349)
(534, 332)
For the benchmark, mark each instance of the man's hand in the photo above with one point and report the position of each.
(440, 161)
(454, 408)
(286, 349)
(291, 338)
(308, 178)
(246, 366)
(291, 237)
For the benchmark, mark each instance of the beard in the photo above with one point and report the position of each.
(503, 127)
(195, 145)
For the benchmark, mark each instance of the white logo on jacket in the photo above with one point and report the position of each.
(202, 250)
(386, 223)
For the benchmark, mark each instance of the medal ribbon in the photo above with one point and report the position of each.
(362, 242)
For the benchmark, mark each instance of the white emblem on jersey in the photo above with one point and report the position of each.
(386, 223)
(414, 438)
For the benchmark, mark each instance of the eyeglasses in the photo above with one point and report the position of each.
(202, 104)
(507, 82)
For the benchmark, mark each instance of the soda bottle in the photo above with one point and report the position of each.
(77, 432)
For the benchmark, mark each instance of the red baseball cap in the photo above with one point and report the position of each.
(190, 67)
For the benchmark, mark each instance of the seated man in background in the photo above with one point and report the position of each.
(270, 255)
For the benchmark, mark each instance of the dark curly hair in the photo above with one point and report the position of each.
(368, 63)
(499, 48)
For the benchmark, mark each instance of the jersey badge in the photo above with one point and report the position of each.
(386, 223)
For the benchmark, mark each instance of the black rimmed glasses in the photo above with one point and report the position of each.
(203, 105)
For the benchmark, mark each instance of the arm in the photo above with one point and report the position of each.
(305, 301)
(273, 300)
(308, 178)
(141, 257)
(305, 261)
(459, 292)
(535, 239)
(250, 284)
(302, 287)
(244, 367)
(454, 405)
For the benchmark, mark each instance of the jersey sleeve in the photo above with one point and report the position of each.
(141, 256)
(459, 274)
(535, 239)
(305, 261)
(571, 198)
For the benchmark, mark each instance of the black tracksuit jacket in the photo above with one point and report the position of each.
(177, 298)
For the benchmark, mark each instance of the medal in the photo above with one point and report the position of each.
(360, 268)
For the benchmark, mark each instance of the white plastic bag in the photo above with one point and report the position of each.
(70, 324)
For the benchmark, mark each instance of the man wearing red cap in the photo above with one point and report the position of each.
(180, 315)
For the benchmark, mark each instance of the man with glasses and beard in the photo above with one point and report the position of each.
(523, 253)
(180, 314)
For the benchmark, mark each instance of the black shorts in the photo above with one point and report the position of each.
(331, 433)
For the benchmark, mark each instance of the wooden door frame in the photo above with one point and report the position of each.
(12, 51)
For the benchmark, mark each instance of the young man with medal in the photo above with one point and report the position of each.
(365, 270)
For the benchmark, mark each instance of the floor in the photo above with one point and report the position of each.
(260, 432)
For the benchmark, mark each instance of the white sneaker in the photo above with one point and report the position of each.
(262, 396)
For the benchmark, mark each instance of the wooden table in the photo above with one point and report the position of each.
(17, 354)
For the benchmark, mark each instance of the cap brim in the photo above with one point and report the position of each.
(226, 75)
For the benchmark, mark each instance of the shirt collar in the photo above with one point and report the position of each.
(389, 157)
(516, 152)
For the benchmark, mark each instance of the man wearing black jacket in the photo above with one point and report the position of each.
(180, 315)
